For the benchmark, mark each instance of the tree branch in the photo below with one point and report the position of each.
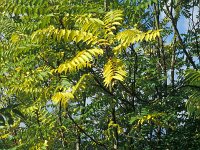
(84, 132)
(179, 37)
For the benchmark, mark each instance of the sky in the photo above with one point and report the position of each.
(183, 22)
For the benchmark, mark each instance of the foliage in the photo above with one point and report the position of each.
(193, 81)
(98, 74)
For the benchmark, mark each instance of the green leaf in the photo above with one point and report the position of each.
(2, 121)
(16, 111)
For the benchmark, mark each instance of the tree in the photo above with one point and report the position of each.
(97, 78)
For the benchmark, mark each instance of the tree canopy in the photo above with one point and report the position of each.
(99, 74)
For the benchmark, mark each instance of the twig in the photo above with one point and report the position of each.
(84, 132)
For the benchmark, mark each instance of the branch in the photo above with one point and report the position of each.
(106, 90)
(179, 38)
(84, 132)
